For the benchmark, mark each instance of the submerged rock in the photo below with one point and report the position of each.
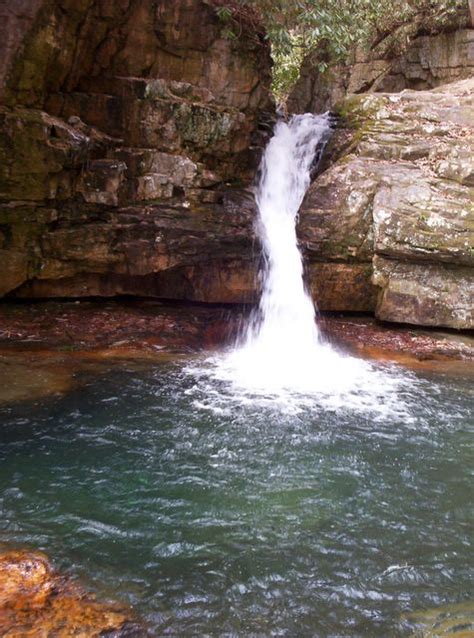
(448, 621)
(37, 601)
(48, 349)
(28, 378)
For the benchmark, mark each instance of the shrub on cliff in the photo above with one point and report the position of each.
(297, 27)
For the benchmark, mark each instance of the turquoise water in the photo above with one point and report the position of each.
(212, 515)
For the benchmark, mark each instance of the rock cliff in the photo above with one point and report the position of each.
(129, 134)
(389, 226)
(428, 61)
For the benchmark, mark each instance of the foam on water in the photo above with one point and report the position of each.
(383, 392)
(281, 353)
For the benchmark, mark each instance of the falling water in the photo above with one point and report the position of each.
(281, 352)
(285, 320)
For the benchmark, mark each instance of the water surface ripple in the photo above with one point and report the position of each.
(241, 517)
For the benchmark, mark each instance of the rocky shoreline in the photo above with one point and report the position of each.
(46, 346)
(36, 600)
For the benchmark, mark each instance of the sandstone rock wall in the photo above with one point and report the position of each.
(130, 131)
(389, 226)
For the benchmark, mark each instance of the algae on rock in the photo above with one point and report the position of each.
(398, 198)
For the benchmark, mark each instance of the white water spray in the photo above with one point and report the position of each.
(286, 322)
(281, 354)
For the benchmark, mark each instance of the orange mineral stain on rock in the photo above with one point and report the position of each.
(434, 363)
(46, 348)
(35, 601)
(415, 349)
(25, 580)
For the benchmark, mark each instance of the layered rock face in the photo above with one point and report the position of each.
(130, 132)
(389, 226)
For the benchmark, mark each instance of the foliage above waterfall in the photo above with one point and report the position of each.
(296, 27)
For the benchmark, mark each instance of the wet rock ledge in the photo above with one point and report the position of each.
(37, 601)
(48, 347)
(138, 328)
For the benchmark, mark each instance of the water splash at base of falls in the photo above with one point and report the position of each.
(282, 354)
(285, 320)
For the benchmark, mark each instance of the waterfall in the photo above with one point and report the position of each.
(285, 319)
(281, 348)
(281, 353)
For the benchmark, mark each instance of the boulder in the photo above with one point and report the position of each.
(37, 601)
(427, 294)
(392, 219)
